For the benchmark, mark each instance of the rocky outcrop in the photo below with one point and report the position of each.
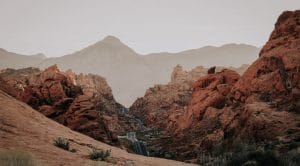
(275, 75)
(161, 102)
(209, 91)
(261, 106)
(51, 87)
(105, 118)
(4, 86)
(81, 102)
(15, 81)
(163, 106)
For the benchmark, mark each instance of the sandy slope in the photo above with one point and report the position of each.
(24, 128)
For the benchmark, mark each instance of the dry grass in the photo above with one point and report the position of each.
(16, 158)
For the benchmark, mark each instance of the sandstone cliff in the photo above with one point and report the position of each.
(162, 101)
(260, 106)
(81, 102)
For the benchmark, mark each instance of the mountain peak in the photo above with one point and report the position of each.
(39, 55)
(2, 50)
(111, 39)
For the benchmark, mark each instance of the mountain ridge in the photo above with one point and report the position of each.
(130, 73)
(110, 39)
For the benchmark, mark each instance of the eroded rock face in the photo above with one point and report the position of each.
(16, 80)
(210, 91)
(5, 86)
(263, 104)
(105, 118)
(162, 102)
(260, 106)
(275, 75)
(164, 105)
(82, 102)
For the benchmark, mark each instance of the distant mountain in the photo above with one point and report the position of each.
(13, 60)
(130, 74)
(125, 70)
(226, 55)
(39, 56)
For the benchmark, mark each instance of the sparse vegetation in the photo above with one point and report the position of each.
(294, 145)
(16, 158)
(98, 154)
(250, 155)
(62, 142)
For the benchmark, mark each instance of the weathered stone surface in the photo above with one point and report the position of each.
(82, 102)
(260, 106)
(208, 92)
(158, 107)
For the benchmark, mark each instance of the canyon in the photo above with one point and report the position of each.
(196, 117)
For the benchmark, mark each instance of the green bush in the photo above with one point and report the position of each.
(97, 154)
(62, 142)
(16, 158)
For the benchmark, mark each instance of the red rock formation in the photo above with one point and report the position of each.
(4, 86)
(96, 113)
(50, 87)
(17, 80)
(210, 91)
(82, 102)
(161, 102)
(262, 105)
(275, 75)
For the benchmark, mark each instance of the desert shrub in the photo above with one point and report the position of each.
(62, 142)
(294, 145)
(248, 155)
(98, 154)
(16, 158)
(259, 157)
(219, 149)
(292, 158)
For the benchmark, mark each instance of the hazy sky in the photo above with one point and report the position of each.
(58, 27)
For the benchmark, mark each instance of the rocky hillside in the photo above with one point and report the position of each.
(83, 103)
(159, 101)
(225, 109)
(25, 129)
